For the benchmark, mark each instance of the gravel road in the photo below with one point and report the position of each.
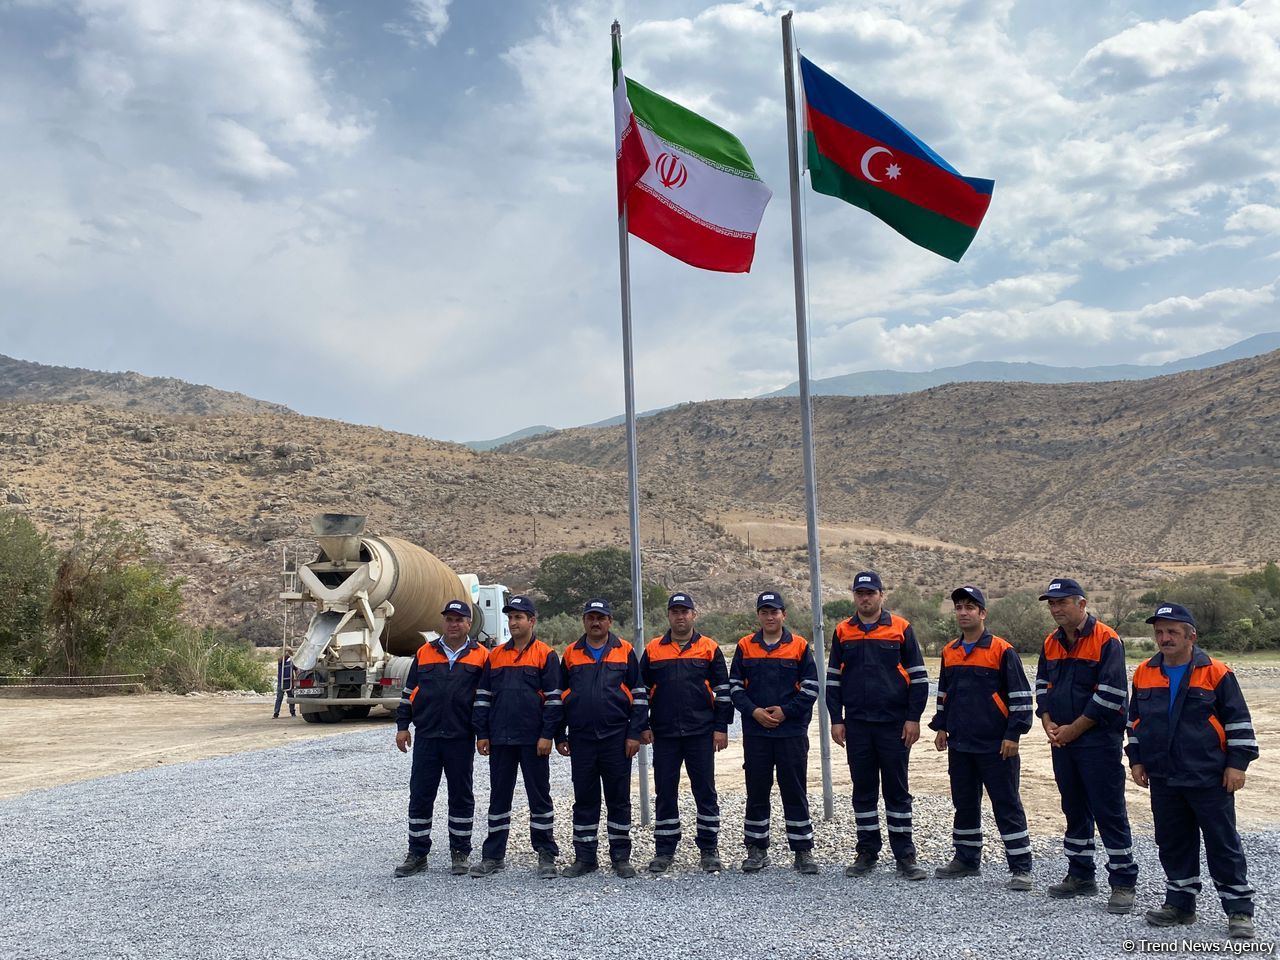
(288, 852)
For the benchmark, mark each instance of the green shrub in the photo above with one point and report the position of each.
(27, 564)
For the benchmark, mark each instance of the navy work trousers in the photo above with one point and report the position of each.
(788, 758)
(452, 758)
(601, 766)
(697, 754)
(877, 756)
(970, 774)
(1182, 815)
(1091, 784)
(504, 763)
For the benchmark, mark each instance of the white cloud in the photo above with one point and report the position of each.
(244, 152)
(428, 21)
(1255, 218)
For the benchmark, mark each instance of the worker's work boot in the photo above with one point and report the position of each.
(1240, 927)
(579, 867)
(660, 864)
(623, 870)
(1018, 882)
(547, 866)
(459, 862)
(1121, 900)
(955, 869)
(710, 861)
(805, 862)
(1169, 916)
(486, 867)
(413, 863)
(862, 864)
(1070, 886)
(908, 869)
(757, 859)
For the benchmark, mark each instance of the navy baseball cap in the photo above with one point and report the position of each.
(681, 600)
(1172, 611)
(520, 604)
(770, 599)
(597, 605)
(969, 593)
(1062, 587)
(867, 580)
(458, 607)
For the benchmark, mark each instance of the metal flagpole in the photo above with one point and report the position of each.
(633, 478)
(806, 417)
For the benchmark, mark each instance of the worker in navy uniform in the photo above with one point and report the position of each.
(517, 713)
(877, 687)
(439, 695)
(284, 680)
(984, 706)
(689, 716)
(774, 682)
(606, 712)
(1081, 697)
(1190, 741)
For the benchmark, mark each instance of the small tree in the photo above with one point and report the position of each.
(1022, 619)
(567, 581)
(27, 564)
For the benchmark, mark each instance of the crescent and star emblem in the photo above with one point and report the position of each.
(892, 173)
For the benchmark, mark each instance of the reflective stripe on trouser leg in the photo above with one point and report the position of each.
(1178, 843)
(1102, 772)
(966, 798)
(864, 772)
(700, 764)
(1077, 841)
(757, 767)
(584, 770)
(792, 765)
(503, 763)
(1001, 778)
(459, 759)
(615, 776)
(1215, 812)
(536, 772)
(893, 755)
(668, 755)
(424, 782)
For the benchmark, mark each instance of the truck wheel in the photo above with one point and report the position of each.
(322, 714)
(356, 713)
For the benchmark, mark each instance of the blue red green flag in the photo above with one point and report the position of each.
(860, 154)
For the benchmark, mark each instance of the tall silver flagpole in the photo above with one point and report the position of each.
(806, 418)
(633, 476)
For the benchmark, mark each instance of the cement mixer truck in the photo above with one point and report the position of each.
(377, 599)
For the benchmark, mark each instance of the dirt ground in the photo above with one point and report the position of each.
(48, 742)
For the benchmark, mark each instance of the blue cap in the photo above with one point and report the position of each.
(1172, 611)
(458, 607)
(597, 605)
(519, 603)
(1062, 587)
(681, 600)
(867, 580)
(770, 599)
(969, 593)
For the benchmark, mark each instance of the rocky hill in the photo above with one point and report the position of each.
(22, 380)
(1181, 468)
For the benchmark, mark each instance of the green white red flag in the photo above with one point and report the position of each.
(689, 185)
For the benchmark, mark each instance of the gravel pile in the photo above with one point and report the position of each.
(288, 852)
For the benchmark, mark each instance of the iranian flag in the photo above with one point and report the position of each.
(689, 185)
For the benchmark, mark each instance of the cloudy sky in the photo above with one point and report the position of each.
(400, 212)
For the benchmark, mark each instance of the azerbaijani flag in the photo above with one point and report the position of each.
(697, 196)
(862, 155)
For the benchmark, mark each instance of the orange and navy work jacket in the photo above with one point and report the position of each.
(1084, 678)
(438, 697)
(518, 701)
(783, 675)
(875, 672)
(1208, 730)
(602, 698)
(983, 696)
(688, 686)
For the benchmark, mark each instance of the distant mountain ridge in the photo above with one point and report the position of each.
(26, 382)
(880, 382)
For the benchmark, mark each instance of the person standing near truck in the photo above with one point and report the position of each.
(516, 715)
(284, 680)
(438, 699)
